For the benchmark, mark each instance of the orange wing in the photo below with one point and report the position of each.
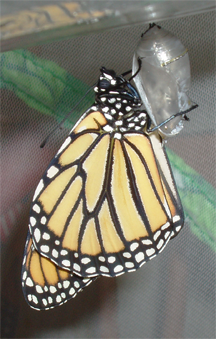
(44, 284)
(102, 207)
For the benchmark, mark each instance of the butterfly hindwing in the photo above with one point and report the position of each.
(44, 284)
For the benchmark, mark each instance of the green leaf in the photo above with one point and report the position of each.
(198, 199)
(42, 84)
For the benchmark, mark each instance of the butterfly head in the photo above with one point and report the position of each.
(111, 86)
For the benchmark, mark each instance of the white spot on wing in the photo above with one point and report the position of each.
(36, 208)
(64, 252)
(66, 283)
(160, 244)
(111, 100)
(34, 299)
(64, 145)
(66, 263)
(166, 234)
(157, 234)
(178, 228)
(126, 255)
(38, 289)
(43, 220)
(117, 136)
(29, 297)
(150, 251)
(76, 284)
(176, 218)
(32, 221)
(53, 289)
(72, 291)
(55, 253)
(128, 108)
(129, 264)
(167, 208)
(105, 109)
(104, 269)
(46, 236)
(52, 171)
(58, 299)
(85, 260)
(91, 270)
(39, 188)
(86, 280)
(118, 268)
(139, 257)
(131, 124)
(50, 300)
(45, 248)
(29, 282)
(76, 267)
(111, 259)
(165, 226)
(37, 234)
(108, 116)
(44, 302)
(147, 242)
(134, 246)
(107, 128)
(24, 275)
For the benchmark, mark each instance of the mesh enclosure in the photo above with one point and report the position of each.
(173, 296)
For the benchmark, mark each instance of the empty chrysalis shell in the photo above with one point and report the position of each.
(164, 78)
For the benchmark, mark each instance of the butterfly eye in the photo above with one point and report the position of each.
(104, 84)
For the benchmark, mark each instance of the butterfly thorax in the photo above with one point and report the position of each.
(120, 104)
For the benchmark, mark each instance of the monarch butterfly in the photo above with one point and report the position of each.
(44, 284)
(107, 202)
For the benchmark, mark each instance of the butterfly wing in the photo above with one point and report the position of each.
(101, 207)
(169, 186)
(107, 202)
(45, 285)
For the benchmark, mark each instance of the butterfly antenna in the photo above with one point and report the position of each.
(130, 71)
(139, 68)
(62, 122)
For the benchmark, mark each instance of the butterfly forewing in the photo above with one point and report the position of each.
(103, 211)
(44, 284)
